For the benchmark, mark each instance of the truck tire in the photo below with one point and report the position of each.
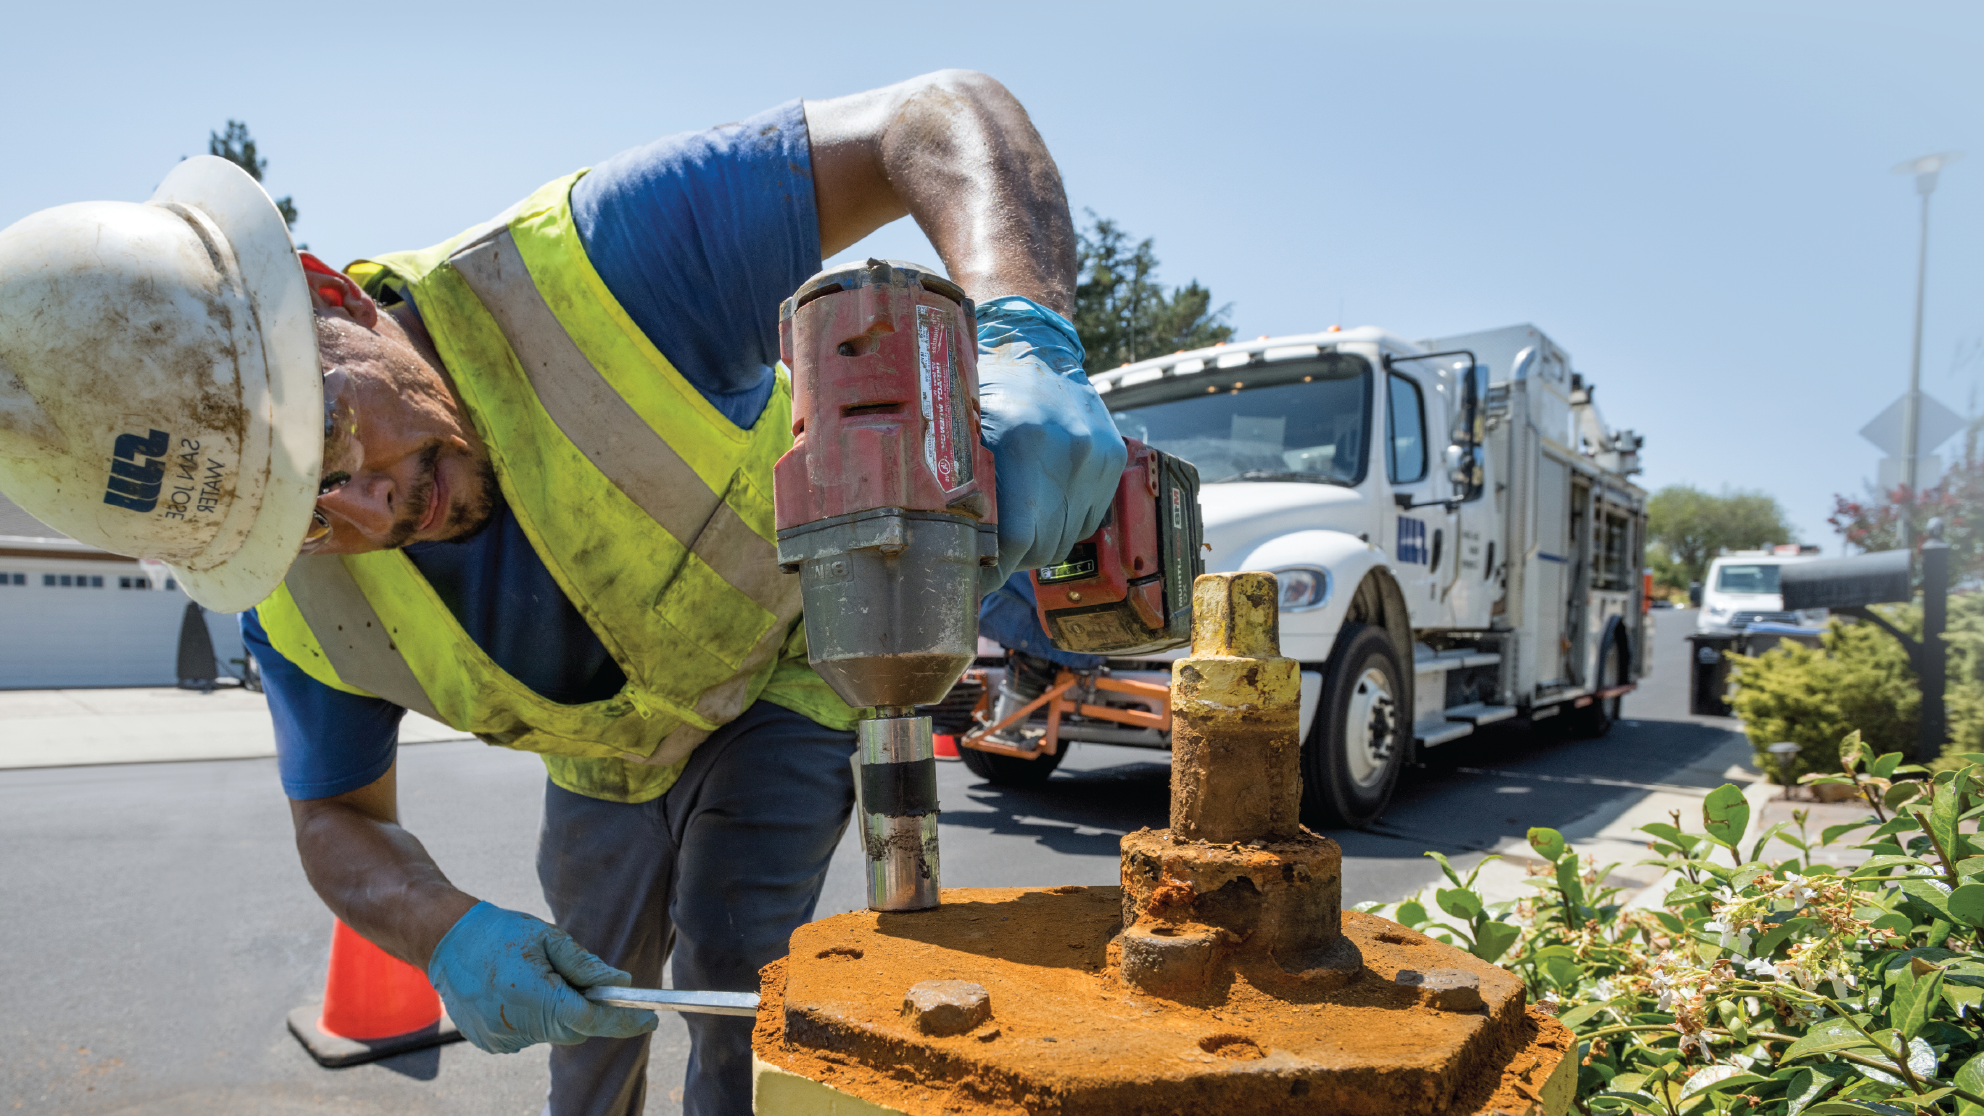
(1010, 771)
(1596, 719)
(1359, 735)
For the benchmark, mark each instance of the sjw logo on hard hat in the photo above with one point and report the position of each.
(137, 470)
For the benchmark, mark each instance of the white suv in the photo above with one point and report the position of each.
(1741, 590)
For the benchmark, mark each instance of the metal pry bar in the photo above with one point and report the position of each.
(669, 999)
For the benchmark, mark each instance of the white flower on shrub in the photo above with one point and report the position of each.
(1794, 889)
(1699, 1040)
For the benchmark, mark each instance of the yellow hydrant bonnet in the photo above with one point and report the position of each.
(160, 391)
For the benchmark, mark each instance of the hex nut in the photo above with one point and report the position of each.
(947, 1007)
(1444, 989)
(1169, 961)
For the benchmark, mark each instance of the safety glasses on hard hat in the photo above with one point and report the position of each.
(343, 452)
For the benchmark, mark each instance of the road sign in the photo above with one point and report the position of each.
(1892, 472)
(1938, 425)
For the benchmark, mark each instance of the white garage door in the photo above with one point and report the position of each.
(64, 638)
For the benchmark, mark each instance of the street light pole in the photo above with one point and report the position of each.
(1925, 170)
(1911, 411)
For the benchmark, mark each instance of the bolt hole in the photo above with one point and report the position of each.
(864, 343)
(1238, 1048)
(1165, 931)
(840, 953)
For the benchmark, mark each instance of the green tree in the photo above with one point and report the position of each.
(1123, 313)
(1688, 526)
(1668, 572)
(238, 147)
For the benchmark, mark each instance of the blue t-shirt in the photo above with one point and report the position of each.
(699, 237)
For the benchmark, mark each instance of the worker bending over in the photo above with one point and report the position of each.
(528, 472)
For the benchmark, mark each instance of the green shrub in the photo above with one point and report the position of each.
(1786, 988)
(1860, 679)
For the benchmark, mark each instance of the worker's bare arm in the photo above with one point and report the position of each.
(956, 151)
(375, 875)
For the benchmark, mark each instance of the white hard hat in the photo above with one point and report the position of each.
(160, 393)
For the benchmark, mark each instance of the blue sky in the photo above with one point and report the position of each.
(1693, 199)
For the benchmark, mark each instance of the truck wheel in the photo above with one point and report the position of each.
(1360, 733)
(1010, 771)
(1595, 720)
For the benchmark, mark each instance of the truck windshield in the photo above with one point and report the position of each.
(1758, 578)
(1308, 422)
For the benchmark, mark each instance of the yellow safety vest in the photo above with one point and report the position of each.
(651, 510)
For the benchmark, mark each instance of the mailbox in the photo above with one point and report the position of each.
(1848, 585)
(1864, 579)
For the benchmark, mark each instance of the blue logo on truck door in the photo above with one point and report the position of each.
(1411, 541)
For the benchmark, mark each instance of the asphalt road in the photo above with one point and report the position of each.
(159, 927)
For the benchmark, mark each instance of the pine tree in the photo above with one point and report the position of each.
(238, 147)
(1123, 313)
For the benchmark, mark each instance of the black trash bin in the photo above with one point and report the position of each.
(1708, 665)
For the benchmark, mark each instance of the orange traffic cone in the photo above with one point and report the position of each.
(945, 745)
(375, 1006)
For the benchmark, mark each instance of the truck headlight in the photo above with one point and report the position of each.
(1717, 612)
(1303, 587)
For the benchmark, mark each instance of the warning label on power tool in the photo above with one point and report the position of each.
(946, 437)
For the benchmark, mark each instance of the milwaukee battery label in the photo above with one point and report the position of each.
(946, 437)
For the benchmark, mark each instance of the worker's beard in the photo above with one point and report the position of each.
(474, 508)
(471, 511)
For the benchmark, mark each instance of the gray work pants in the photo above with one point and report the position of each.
(721, 869)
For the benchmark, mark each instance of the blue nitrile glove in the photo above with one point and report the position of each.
(1056, 452)
(511, 981)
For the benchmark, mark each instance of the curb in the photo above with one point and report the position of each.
(1517, 857)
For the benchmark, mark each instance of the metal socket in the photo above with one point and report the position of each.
(895, 789)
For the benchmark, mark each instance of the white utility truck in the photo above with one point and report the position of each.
(1455, 532)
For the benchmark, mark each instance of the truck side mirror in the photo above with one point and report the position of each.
(1694, 594)
(1463, 470)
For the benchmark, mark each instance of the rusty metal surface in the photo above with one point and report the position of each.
(1066, 1037)
(1236, 714)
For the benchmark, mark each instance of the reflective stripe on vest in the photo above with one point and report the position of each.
(351, 634)
(612, 436)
